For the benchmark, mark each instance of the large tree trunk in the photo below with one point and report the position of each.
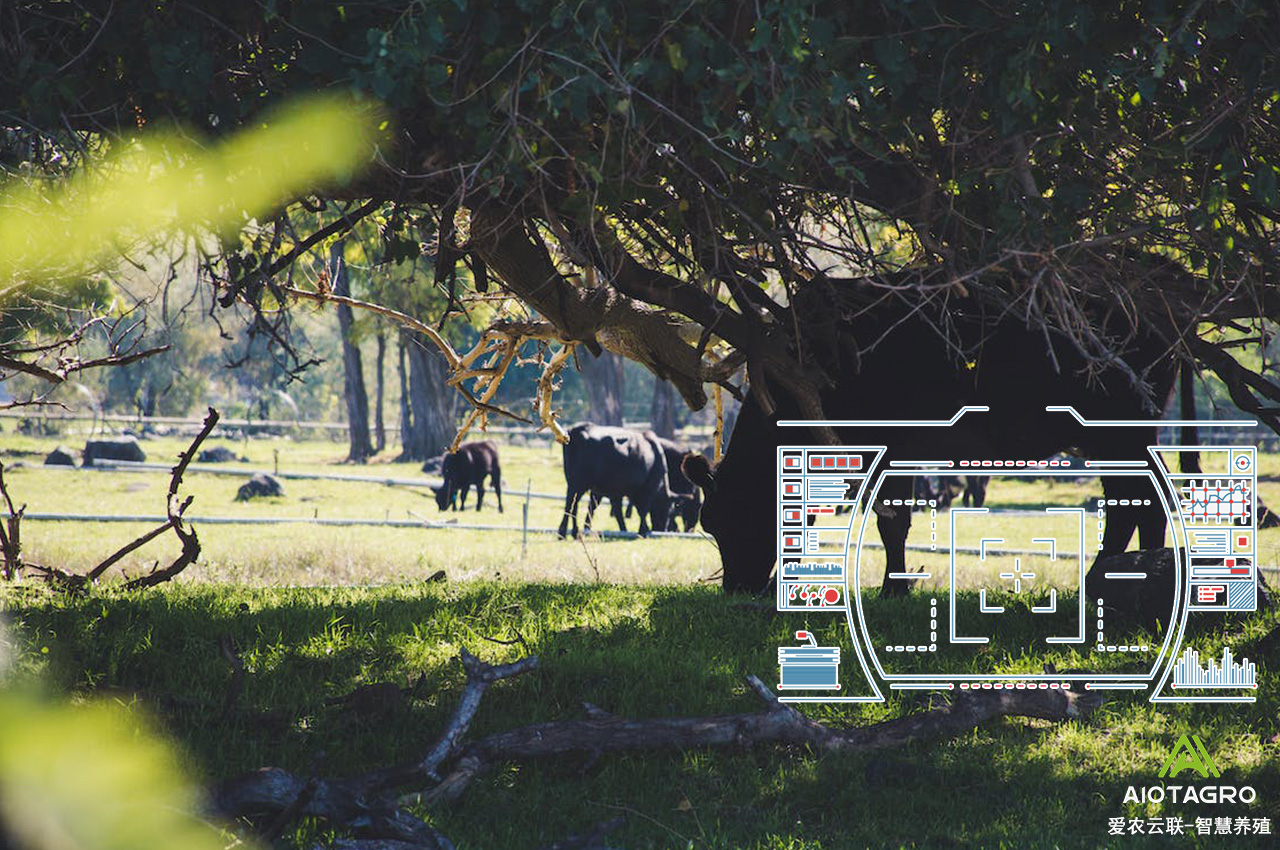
(352, 368)
(379, 425)
(662, 410)
(602, 377)
(433, 404)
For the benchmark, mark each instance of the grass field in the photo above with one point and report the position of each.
(313, 554)
(624, 625)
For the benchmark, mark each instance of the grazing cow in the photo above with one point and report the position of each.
(617, 463)
(1008, 367)
(686, 498)
(466, 467)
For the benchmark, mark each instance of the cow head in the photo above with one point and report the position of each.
(662, 510)
(745, 541)
(442, 496)
(446, 492)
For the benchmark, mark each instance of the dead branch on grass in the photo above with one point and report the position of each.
(174, 509)
(365, 804)
(11, 533)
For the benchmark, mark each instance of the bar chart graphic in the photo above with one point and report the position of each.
(1188, 673)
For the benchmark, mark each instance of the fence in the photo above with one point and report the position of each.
(334, 429)
(106, 466)
(388, 481)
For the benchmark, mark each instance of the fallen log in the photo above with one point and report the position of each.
(364, 803)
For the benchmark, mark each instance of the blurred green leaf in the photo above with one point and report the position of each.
(167, 182)
(92, 778)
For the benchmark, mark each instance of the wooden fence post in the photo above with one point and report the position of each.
(524, 534)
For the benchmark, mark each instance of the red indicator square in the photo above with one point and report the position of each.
(1242, 540)
(842, 463)
(791, 463)
(829, 462)
(815, 463)
(1229, 562)
(792, 490)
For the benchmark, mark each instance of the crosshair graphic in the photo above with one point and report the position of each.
(1017, 574)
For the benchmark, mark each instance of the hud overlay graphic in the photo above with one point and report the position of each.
(1000, 586)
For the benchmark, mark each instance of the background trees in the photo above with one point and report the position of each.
(698, 186)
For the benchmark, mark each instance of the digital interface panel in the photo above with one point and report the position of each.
(1022, 565)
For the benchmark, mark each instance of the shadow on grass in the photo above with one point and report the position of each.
(635, 652)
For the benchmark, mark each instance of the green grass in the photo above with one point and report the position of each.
(634, 651)
(625, 625)
(311, 554)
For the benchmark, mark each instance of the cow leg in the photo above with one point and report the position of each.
(615, 506)
(894, 524)
(496, 481)
(642, 508)
(570, 510)
(479, 494)
(593, 501)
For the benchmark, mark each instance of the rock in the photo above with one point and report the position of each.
(61, 456)
(219, 454)
(119, 448)
(261, 484)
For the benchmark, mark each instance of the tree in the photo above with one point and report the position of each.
(662, 409)
(603, 380)
(432, 406)
(380, 361)
(353, 369)
(695, 187)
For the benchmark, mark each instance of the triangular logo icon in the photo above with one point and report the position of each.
(1190, 752)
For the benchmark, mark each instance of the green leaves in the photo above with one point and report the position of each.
(91, 777)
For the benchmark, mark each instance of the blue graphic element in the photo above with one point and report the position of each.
(809, 667)
(826, 496)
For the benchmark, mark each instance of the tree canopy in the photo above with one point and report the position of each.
(703, 185)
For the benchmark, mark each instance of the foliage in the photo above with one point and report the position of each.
(89, 776)
(163, 181)
(730, 163)
(134, 192)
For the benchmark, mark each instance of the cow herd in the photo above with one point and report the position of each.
(636, 470)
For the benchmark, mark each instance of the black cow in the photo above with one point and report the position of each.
(686, 498)
(466, 467)
(916, 373)
(617, 463)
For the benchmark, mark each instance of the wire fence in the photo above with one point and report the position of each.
(43, 419)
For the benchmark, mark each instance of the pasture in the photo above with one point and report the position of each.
(316, 612)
